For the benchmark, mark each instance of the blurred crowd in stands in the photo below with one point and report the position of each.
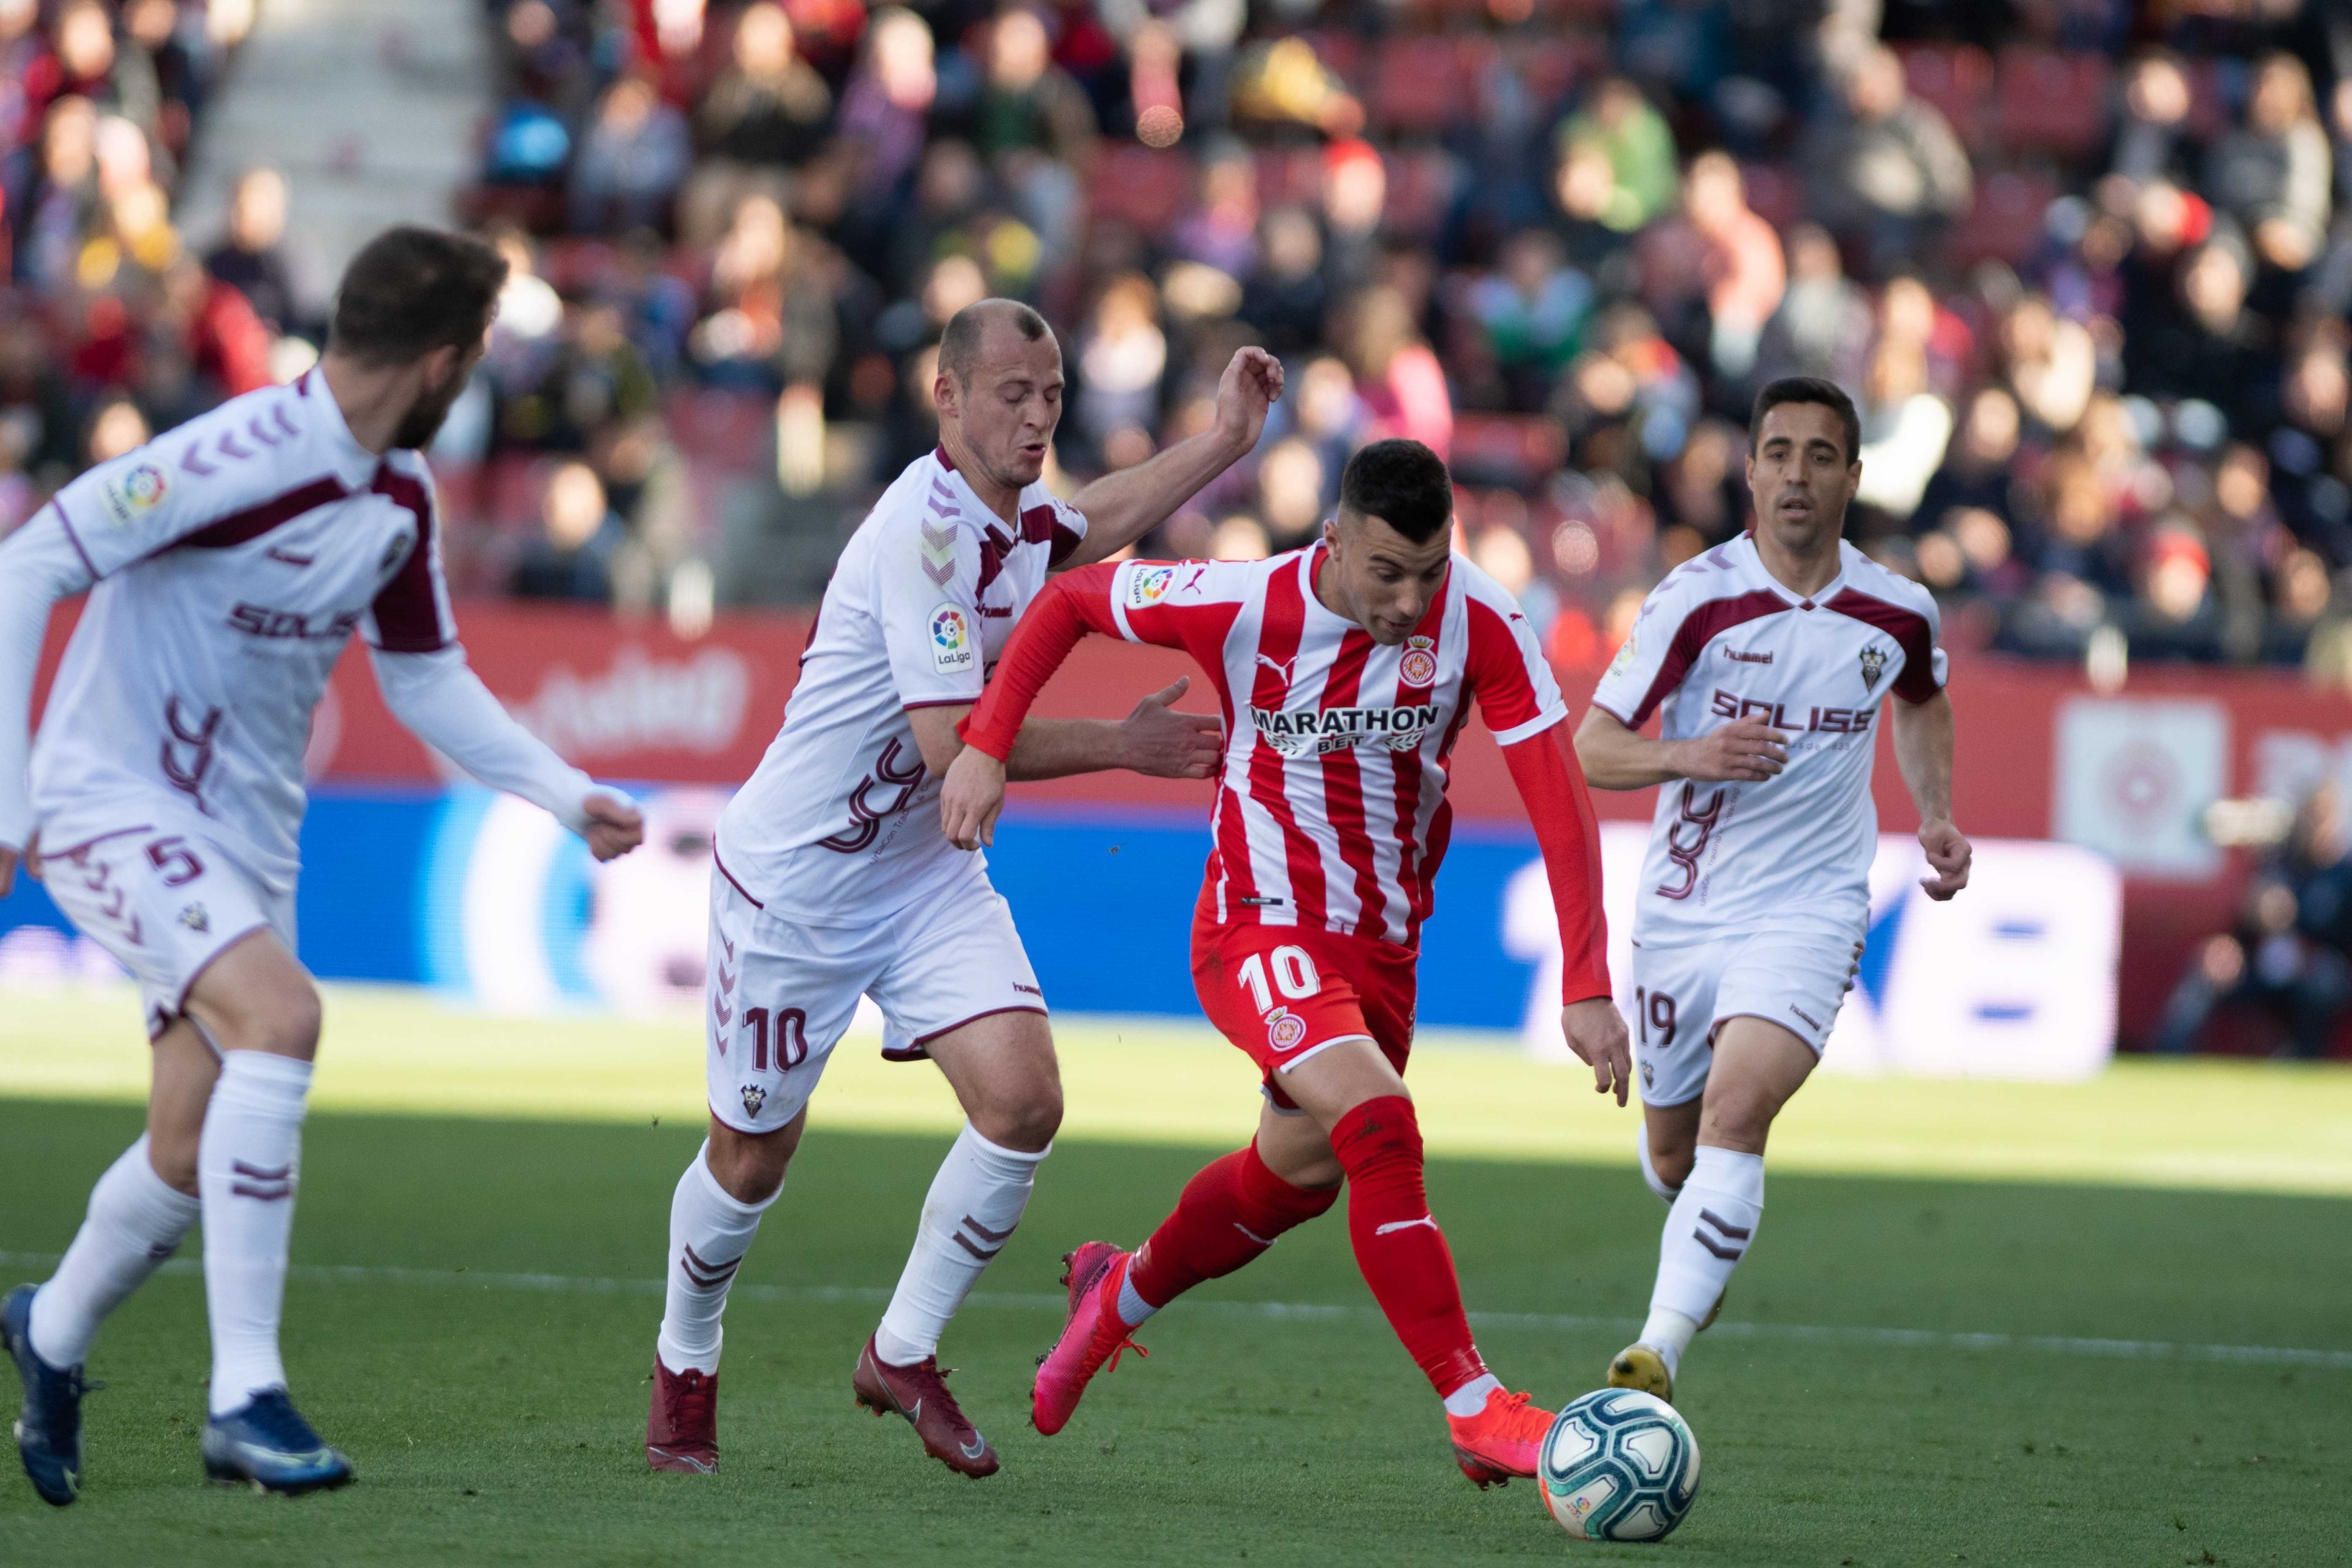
(2085, 265)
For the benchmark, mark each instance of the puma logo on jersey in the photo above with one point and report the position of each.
(1281, 667)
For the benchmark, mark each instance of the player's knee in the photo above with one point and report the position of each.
(173, 1161)
(1671, 1164)
(284, 1021)
(1025, 1119)
(750, 1166)
(1738, 1121)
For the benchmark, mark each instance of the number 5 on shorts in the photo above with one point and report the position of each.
(1294, 976)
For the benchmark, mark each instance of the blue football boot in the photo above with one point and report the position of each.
(48, 1432)
(268, 1446)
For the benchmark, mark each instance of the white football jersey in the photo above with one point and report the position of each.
(233, 558)
(1721, 639)
(840, 825)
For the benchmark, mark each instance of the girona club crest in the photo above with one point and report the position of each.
(1284, 1029)
(1419, 665)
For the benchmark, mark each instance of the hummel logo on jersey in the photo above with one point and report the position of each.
(1743, 656)
(1873, 661)
(1313, 732)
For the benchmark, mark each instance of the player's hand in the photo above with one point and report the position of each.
(970, 798)
(1745, 751)
(1596, 1032)
(1949, 855)
(1252, 382)
(1167, 744)
(614, 826)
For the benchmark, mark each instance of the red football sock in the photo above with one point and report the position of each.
(1229, 1214)
(1398, 1246)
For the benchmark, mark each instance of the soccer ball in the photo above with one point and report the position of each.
(1619, 1464)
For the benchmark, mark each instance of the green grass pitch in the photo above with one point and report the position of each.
(1913, 1369)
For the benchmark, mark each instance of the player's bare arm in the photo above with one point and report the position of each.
(1154, 740)
(1922, 750)
(1743, 750)
(1121, 508)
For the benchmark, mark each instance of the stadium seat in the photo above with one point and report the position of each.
(718, 429)
(2006, 222)
(1957, 79)
(2052, 103)
(1289, 177)
(1422, 184)
(1775, 193)
(1144, 187)
(1424, 86)
(1514, 450)
(1557, 66)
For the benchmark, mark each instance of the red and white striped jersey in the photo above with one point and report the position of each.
(1330, 806)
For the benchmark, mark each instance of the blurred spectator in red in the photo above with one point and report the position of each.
(1399, 379)
(1714, 275)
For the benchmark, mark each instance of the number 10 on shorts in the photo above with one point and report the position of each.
(1294, 976)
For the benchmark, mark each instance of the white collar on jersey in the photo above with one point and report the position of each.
(353, 464)
(1827, 590)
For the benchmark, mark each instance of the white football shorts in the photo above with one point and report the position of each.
(1682, 995)
(781, 992)
(164, 902)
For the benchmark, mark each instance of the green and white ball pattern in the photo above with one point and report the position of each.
(1619, 1464)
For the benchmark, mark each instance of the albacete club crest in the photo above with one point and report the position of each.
(755, 1097)
(1874, 663)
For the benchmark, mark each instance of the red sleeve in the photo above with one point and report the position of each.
(1071, 605)
(1552, 785)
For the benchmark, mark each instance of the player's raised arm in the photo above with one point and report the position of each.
(1121, 508)
(39, 565)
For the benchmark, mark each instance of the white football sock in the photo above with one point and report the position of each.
(1649, 1172)
(973, 1205)
(249, 1163)
(1707, 1232)
(709, 1232)
(1471, 1397)
(1132, 1307)
(136, 1220)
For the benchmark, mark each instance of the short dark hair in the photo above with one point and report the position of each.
(411, 290)
(1402, 483)
(959, 344)
(1807, 389)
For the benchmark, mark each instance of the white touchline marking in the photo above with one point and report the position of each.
(1539, 1322)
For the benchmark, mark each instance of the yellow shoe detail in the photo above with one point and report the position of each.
(1639, 1366)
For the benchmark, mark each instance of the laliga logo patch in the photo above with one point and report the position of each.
(1284, 1029)
(755, 1097)
(137, 492)
(951, 652)
(1146, 586)
(1419, 665)
(1873, 661)
(1625, 654)
(395, 551)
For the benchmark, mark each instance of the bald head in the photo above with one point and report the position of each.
(969, 330)
(998, 392)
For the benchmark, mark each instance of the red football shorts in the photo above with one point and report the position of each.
(1283, 993)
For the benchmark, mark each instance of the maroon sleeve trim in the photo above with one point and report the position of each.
(1596, 702)
(938, 702)
(1699, 627)
(75, 539)
(1908, 627)
(407, 612)
(242, 527)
